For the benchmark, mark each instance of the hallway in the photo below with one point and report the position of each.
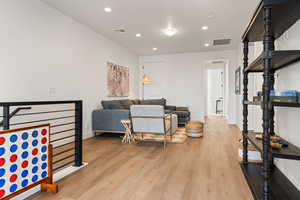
(199, 169)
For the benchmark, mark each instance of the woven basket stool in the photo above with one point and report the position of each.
(194, 129)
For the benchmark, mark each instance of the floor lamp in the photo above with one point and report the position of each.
(144, 81)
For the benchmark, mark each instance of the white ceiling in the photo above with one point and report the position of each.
(225, 19)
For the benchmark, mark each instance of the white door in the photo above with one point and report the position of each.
(215, 90)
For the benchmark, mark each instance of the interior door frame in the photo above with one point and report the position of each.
(207, 64)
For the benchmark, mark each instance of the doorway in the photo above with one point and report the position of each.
(215, 88)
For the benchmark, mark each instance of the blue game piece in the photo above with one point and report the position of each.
(35, 169)
(25, 145)
(13, 188)
(35, 134)
(13, 148)
(2, 172)
(34, 160)
(24, 154)
(24, 183)
(34, 178)
(25, 136)
(44, 149)
(44, 174)
(44, 157)
(13, 168)
(2, 151)
(35, 143)
(44, 165)
(13, 138)
(2, 183)
(24, 173)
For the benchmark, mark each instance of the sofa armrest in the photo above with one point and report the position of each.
(108, 120)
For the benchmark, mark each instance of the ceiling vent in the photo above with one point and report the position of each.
(217, 62)
(119, 30)
(222, 42)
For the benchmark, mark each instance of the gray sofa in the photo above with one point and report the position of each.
(108, 118)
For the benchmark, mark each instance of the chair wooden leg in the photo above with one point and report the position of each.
(165, 142)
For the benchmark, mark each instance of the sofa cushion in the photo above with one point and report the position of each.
(114, 104)
(161, 102)
(126, 103)
(135, 101)
(182, 114)
(105, 104)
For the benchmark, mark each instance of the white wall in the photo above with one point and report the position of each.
(287, 119)
(180, 79)
(42, 49)
(254, 85)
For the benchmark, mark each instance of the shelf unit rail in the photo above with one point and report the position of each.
(245, 106)
(268, 43)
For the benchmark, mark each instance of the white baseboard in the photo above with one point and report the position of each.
(87, 136)
(67, 171)
(56, 177)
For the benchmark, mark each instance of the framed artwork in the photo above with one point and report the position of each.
(238, 81)
(117, 80)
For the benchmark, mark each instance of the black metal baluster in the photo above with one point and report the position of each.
(78, 133)
(245, 106)
(6, 118)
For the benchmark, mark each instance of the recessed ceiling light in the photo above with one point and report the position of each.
(170, 31)
(154, 49)
(107, 9)
(207, 44)
(138, 35)
(204, 27)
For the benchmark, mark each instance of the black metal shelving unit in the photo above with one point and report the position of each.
(270, 20)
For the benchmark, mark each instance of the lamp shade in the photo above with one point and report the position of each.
(146, 79)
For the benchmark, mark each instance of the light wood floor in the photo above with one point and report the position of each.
(199, 169)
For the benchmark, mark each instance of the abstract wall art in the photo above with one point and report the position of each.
(117, 80)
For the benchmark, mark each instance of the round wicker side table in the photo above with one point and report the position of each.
(194, 129)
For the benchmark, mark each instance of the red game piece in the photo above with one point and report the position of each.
(2, 140)
(13, 158)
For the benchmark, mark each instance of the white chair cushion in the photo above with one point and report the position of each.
(147, 125)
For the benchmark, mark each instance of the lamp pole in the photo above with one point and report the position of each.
(143, 91)
(144, 81)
